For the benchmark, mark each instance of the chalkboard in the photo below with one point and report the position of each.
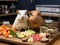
(53, 2)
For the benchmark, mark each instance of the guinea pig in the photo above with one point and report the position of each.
(21, 21)
(35, 20)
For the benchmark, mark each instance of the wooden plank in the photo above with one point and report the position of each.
(7, 14)
(1, 43)
(52, 15)
(18, 41)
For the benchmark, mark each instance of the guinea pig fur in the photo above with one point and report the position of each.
(35, 20)
(21, 21)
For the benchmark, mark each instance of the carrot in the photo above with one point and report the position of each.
(6, 35)
(8, 32)
(4, 30)
(1, 32)
(3, 26)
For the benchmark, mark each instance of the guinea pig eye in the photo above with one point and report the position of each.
(19, 14)
(31, 14)
(38, 14)
(25, 13)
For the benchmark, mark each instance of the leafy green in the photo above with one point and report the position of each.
(13, 33)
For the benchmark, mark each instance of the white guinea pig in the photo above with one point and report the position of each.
(21, 21)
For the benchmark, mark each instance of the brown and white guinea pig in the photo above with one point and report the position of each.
(35, 20)
(21, 21)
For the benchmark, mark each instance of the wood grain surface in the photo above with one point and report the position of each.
(54, 41)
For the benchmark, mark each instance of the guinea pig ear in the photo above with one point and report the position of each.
(39, 13)
(30, 13)
(17, 11)
(26, 11)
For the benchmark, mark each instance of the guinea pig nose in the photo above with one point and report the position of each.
(22, 18)
(35, 18)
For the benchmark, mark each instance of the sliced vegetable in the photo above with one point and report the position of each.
(20, 34)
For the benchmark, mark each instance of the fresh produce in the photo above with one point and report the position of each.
(20, 34)
(36, 37)
(13, 33)
(43, 35)
(6, 31)
(29, 32)
(31, 40)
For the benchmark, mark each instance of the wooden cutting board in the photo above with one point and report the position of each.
(18, 41)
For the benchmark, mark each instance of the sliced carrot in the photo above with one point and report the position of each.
(6, 35)
(9, 32)
(1, 32)
(7, 28)
(3, 26)
(4, 30)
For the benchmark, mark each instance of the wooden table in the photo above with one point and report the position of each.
(19, 42)
(1, 43)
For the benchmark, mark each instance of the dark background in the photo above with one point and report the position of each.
(38, 2)
(49, 2)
